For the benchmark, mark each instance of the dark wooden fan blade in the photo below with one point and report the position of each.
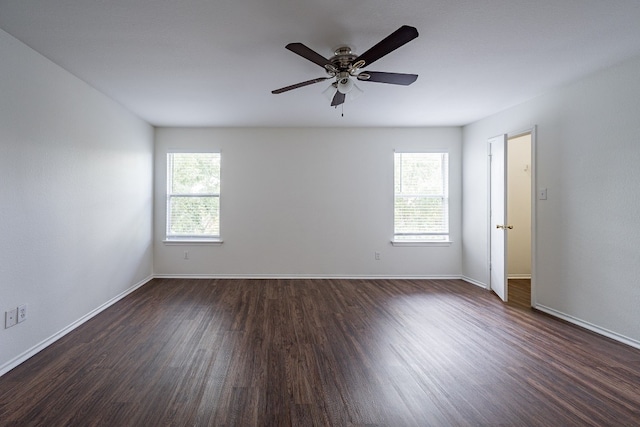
(396, 39)
(338, 99)
(308, 53)
(392, 78)
(301, 84)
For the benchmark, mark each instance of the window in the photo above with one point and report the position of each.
(193, 196)
(421, 202)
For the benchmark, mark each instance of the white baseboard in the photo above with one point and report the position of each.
(519, 276)
(302, 276)
(475, 282)
(590, 326)
(55, 337)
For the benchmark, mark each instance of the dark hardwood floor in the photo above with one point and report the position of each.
(519, 292)
(323, 353)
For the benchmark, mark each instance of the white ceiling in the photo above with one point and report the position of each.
(215, 62)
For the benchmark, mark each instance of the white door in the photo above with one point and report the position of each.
(498, 216)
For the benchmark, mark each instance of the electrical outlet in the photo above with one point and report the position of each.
(22, 313)
(10, 318)
(186, 254)
(377, 256)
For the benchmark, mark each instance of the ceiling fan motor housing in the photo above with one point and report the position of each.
(342, 58)
(341, 61)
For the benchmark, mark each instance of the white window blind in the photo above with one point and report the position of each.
(421, 202)
(193, 196)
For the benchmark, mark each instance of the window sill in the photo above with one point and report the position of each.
(192, 241)
(420, 243)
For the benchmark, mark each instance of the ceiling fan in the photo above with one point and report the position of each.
(344, 66)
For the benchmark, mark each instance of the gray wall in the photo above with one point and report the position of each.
(307, 202)
(75, 199)
(587, 232)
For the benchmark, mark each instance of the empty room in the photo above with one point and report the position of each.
(319, 213)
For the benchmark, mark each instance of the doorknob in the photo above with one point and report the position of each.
(504, 227)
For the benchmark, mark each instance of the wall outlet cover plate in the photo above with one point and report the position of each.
(10, 318)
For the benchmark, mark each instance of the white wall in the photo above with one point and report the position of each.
(519, 207)
(587, 232)
(307, 202)
(75, 199)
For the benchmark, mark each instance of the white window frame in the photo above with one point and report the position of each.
(189, 238)
(445, 239)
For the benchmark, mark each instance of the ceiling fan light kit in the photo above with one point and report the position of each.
(344, 65)
(345, 84)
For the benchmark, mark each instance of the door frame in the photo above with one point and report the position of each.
(510, 135)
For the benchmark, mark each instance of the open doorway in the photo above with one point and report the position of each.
(519, 209)
(512, 217)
